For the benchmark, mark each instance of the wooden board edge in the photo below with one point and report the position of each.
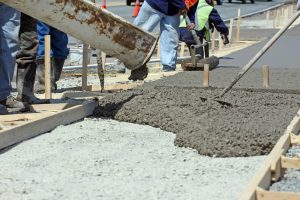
(43, 125)
(290, 163)
(262, 194)
(294, 126)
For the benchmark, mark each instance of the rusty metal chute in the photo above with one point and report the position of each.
(95, 26)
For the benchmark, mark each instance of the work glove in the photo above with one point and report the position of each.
(225, 39)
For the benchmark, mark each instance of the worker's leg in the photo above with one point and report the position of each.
(60, 52)
(26, 61)
(148, 18)
(169, 39)
(42, 30)
(9, 45)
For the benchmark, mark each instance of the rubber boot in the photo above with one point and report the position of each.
(25, 85)
(3, 110)
(40, 76)
(56, 69)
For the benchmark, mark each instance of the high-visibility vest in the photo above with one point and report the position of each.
(202, 14)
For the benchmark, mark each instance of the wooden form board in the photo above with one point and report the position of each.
(274, 166)
(38, 123)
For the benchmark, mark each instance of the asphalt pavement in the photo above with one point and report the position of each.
(283, 54)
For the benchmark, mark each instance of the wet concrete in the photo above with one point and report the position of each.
(251, 127)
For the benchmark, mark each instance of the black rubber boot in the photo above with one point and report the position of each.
(3, 110)
(40, 76)
(25, 84)
(56, 69)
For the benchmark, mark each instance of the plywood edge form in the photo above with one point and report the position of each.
(294, 126)
(36, 127)
(295, 139)
(262, 194)
(290, 163)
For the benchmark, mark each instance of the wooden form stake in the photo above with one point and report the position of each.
(213, 41)
(182, 47)
(158, 53)
(103, 58)
(221, 45)
(267, 17)
(230, 30)
(85, 62)
(206, 75)
(266, 76)
(48, 94)
(238, 28)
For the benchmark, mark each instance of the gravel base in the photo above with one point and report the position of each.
(106, 159)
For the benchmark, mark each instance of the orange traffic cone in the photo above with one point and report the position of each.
(103, 4)
(136, 8)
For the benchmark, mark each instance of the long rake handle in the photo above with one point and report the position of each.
(259, 54)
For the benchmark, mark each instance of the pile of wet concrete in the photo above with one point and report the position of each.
(251, 126)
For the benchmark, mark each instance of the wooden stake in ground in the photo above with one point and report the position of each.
(103, 57)
(182, 47)
(266, 77)
(221, 45)
(267, 18)
(48, 94)
(213, 41)
(158, 53)
(238, 28)
(206, 75)
(230, 30)
(85, 62)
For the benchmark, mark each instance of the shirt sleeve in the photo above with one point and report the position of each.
(178, 4)
(192, 11)
(218, 23)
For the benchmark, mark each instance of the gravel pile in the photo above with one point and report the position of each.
(106, 159)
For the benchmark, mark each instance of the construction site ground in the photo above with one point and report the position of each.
(221, 147)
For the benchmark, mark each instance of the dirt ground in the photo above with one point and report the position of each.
(250, 127)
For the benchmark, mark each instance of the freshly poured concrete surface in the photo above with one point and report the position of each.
(106, 159)
(250, 127)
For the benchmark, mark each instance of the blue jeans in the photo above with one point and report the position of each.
(148, 19)
(59, 41)
(9, 46)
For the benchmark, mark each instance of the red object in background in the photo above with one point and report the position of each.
(136, 8)
(128, 2)
(103, 4)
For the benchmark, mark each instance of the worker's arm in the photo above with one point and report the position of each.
(218, 23)
(179, 4)
(191, 12)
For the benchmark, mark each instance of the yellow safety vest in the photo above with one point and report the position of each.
(202, 14)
